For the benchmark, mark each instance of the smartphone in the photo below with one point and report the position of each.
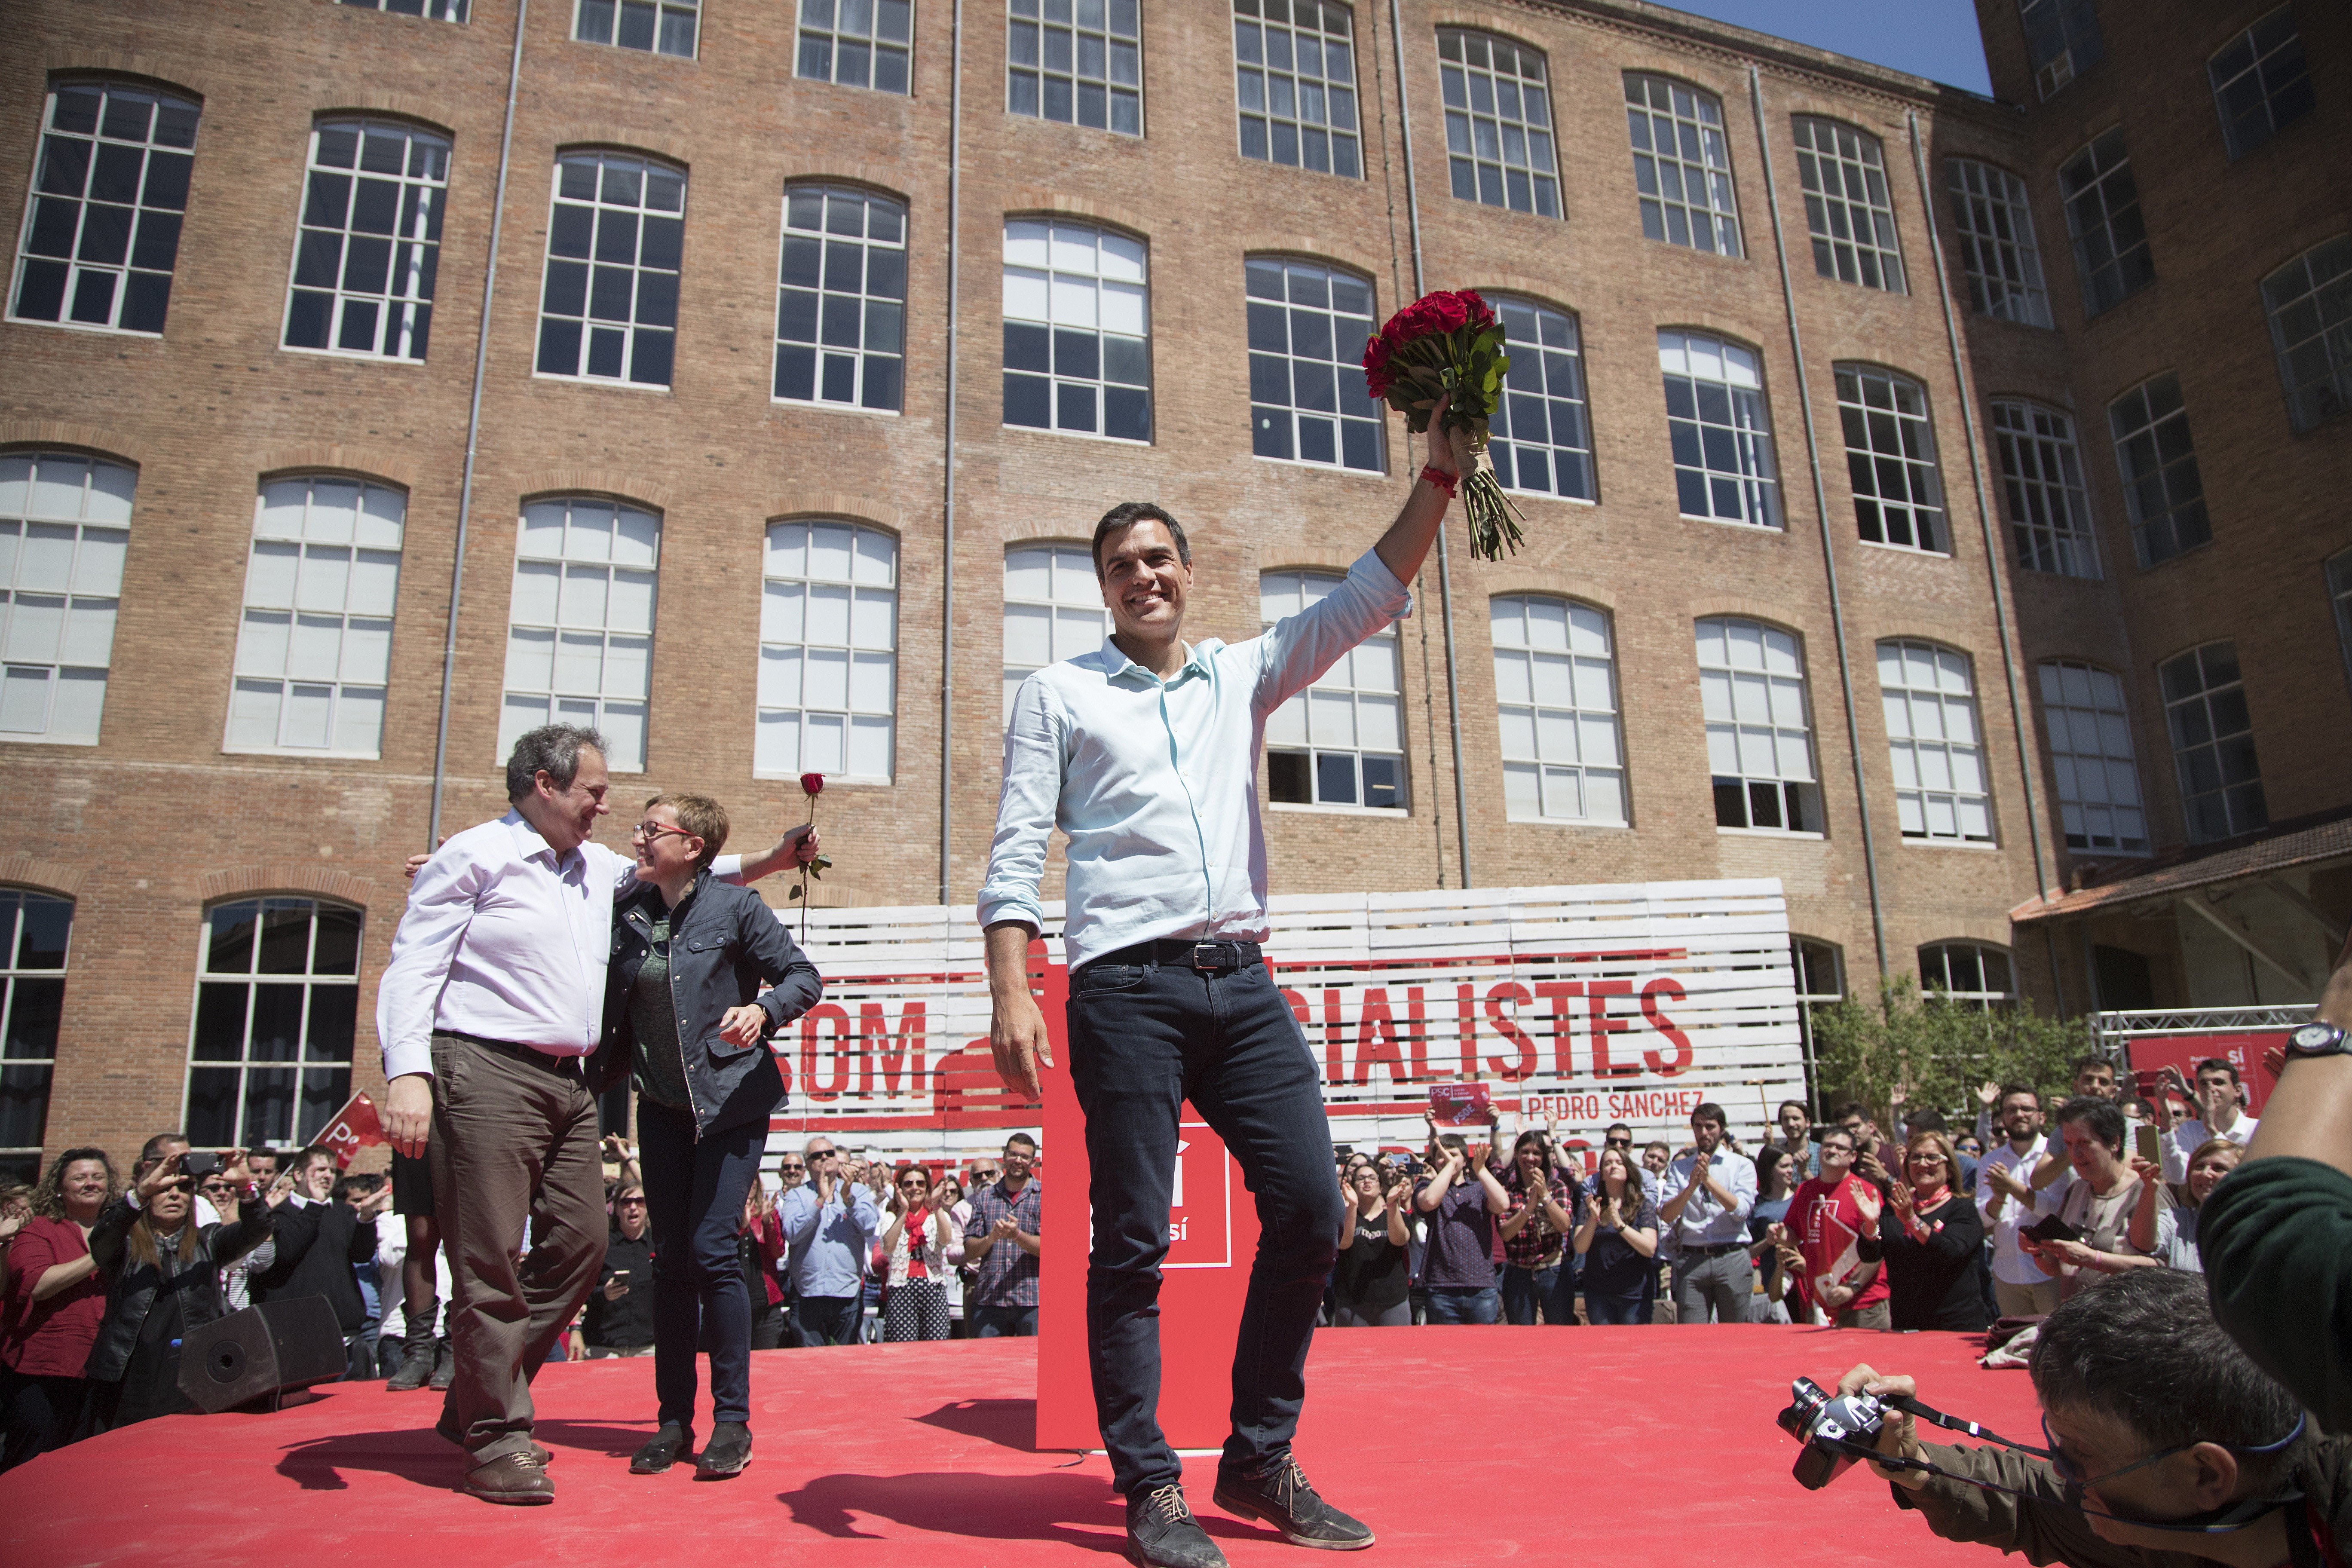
(2150, 1142)
(2051, 1229)
(199, 1163)
(620, 1274)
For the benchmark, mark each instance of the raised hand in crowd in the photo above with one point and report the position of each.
(1989, 1094)
(1866, 1199)
(166, 1171)
(375, 1203)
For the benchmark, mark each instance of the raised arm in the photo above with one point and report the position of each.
(796, 848)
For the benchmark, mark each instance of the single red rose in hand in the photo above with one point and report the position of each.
(812, 784)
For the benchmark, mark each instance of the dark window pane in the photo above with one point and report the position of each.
(651, 364)
(559, 348)
(803, 259)
(324, 1091)
(1286, 778)
(1127, 412)
(334, 1013)
(34, 1009)
(567, 290)
(105, 235)
(797, 373)
(114, 175)
(1074, 408)
(338, 947)
(1028, 347)
(1028, 400)
(1335, 778)
(54, 220)
(285, 936)
(276, 1023)
(883, 376)
(268, 1106)
(220, 1023)
(41, 295)
(145, 298)
(840, 382)
(1731, 800)
(1383, 782)
(665, 242)
(232, 941)
(41, 940)
(23, 1105)
(568, 233)
(64, 166)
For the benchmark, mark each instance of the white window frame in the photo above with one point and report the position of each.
(1759, 728)
(429, 10)
(606, 23)
(1852, 223)
(1999, 252)
(643, 331)
(1078, 45)
(1350, 722)
(829, 603)
(2165, 495)
(880, 31)
(1288, 115)
(1684, 188)
(1983, 996)
(400, 313)
(2062, 40)
(2194, 720)
(32, 1074)
(877, 317)
(322, 584)
(1702, 360)
(1306, 366)
(73, 537)
(2272, 61)
(2086, 719)
(559, 543)
(1547, 379)
(1499, 156)
(1053, 608)
(2340, 598)
(2101, 195)
(1935, 740)
(2309, 303)
(1559, 713)
(2043, 493)
(151, 228)
(1890, 436)
(326, 1076)
(1075, 281)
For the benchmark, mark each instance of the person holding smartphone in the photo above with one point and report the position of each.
(2088, 1242)
(620, 1320)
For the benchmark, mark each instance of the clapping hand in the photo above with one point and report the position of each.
(1866, 1199)
(1004, 1229)
(375, 1203)
(1904, 1199)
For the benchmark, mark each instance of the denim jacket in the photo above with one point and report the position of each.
(724, 941)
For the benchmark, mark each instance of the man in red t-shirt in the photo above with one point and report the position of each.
(1834, 1220)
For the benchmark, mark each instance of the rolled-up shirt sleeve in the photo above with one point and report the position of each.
(440, 905)
(1025, 807)
(1297, 649)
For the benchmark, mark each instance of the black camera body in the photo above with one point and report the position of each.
(1836, 1431)
(197, 1163)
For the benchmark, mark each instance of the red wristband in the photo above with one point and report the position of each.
(1440, 479)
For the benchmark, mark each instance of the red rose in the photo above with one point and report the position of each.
(1447, 312)
(1480, 315)
(812, 784)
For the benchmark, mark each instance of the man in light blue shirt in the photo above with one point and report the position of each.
(1709, 1193)
(1145, 754)
(831, 1223)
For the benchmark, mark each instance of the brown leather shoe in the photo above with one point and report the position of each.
(512, 1478)
(544, 1455)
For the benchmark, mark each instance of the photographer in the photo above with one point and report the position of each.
(2097, 1204)
(2155, 1420)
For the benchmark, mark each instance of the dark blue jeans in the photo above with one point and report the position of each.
(1603, 1311)
(1524, 1289)
(694, 1204)
(1145, 1038)
(827, 1320)
(1003, 1323)
(1465, 1304)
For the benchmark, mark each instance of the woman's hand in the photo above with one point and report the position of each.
(1904, 1200)
(743, 1027)
(2146, 1170)
(166, 1171)
(1866, 1199)
(2074, 1253)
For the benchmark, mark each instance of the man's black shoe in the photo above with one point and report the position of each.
(1162, 1534)
(414, 1373)
(670, 1445)
(728, 1450)
(1281, 1498)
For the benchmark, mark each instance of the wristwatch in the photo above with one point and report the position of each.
(2317, 1040)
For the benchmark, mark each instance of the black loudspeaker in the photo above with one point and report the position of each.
(261, 1353)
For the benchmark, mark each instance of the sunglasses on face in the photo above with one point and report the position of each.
(1616, 1143)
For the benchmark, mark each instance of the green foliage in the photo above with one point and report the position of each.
(1939, 1050)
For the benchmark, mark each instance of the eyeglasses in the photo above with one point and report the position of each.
(1926, 1159)
(631, 1202)
(2076, 1481)
(791, 1170)
(649, 831)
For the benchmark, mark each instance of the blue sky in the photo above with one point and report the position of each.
(1935, 39)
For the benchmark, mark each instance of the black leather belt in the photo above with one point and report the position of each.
(562, 1067)
(1181, 951)
(1714, 1249)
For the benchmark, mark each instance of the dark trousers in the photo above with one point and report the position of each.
(514, 1139)
(1144, 1039)
(828, 1320)
(694, 1204)
(41, 1414)
(1003, 1323)
(1524, 1289)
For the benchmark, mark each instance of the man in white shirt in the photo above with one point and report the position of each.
(1710, 1191)
(2216, 1091)
(1145, 754)
(2006, 1200)
(488, 1012)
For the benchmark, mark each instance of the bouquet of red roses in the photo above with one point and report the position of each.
(1451, 342)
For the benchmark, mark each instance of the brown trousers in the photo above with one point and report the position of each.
(512, 1140)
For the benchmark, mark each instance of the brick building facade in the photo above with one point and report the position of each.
(716, 511)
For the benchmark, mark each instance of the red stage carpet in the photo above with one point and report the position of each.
(1461, 1445)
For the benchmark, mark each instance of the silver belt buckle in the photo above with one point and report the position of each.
(1208, 956)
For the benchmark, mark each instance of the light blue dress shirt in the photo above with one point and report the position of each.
(1704, 1222)
(830, 1242)
(1156, 782)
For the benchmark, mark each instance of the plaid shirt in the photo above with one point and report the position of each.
(1537, 1245)
(1008, 1275)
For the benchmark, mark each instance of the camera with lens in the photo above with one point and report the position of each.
(198, 1164)
(1836, 1430)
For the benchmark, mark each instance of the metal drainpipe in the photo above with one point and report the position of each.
(947, 549)
(1444, 566)
(1984, 520)
(1821, 510)
(474, 432)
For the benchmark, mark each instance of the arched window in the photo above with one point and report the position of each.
(1847, 205)
(2213, 742)
(828, 652)
(1976, 972)
(615, 240)
(2041, 488)
(2156, 456)
(580, 636)
(314, 651)
(33, 927)
(1890, 460)
(2261, 82)
(2310, 305)
(269, 1058)
(1820, 983)
(2089, 727)
(370, 246)
(841, 303)
(1341, 741)
(1294, 81)
(1720, 429)
(103, 237)
(1077, 333)
(1555, 703)
(1052, 610)
(1682, 165)
(1995, 217)
(1936, 746)
(1308, 323)
(1498, 136)
(2102, 216)
(1759, 740)
(64, 530)
(1542, 428)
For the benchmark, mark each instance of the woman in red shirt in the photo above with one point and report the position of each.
(1834, 1221)
(52, 1306)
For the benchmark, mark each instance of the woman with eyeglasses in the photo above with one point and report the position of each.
(916, 1242)
(686, 1019)
(54, 1301)
(2165, 1235)
(1933, 1243)
(162, 1274)
(1618, 1239)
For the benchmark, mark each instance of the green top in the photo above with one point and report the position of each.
(660, 1062)
(2276, 1236)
